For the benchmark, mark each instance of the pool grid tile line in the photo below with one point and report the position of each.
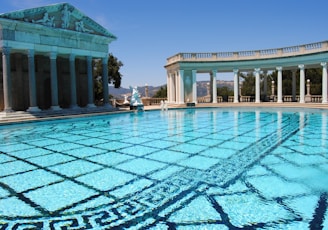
(176, 187)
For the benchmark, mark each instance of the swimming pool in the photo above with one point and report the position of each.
(213, 168)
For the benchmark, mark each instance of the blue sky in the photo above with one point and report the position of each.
(150, 31)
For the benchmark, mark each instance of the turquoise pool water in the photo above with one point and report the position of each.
(177, 169)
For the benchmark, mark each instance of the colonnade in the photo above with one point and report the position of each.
(176, 82)
(183, 67)
(9, 94)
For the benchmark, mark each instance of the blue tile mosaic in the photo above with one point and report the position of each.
(179, 169)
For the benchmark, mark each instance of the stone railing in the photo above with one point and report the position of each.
(207, 99)
(252, 54)
(152, 101)
(316, 98)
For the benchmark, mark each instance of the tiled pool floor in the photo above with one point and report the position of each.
(179, 169)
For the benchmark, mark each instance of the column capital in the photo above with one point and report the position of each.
(53, 55)
(257, 70)
(6, 50)
(105, 60)
(324, 64)
(193, 71)
(235, 71)
(279, 68)
(30, 53)
(89, 58)
(301, 66)
(72, 57)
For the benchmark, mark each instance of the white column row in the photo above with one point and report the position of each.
(279, 84)
(175, 85)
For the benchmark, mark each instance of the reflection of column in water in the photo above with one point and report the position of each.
(257, 125)
(235, 125)
(213, 121)
(180, 121)
(301, 127)
(171, 123)
(324, 129)
(279, 125)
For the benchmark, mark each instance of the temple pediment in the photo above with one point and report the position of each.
(63, 16)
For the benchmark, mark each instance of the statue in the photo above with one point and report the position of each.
(126, 102)
(65, 17)
(79, 26)
(135, 102)
(46, 20)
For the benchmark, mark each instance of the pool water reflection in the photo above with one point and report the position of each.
(186, 169)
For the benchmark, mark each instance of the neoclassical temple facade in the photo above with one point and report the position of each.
(47, 55)
(182, 69)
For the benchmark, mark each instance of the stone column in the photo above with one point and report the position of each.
(324, 82)
(73, 81)
(302, 83)
(194, 86)
(90, 83)
(272, 90)
(257, 85)
(6, 79)
(235, 86)
(214, 88)
(265, 86)
(293, 85)
(32, 83)
(168, 87)
(279, 87)
(54, 81)
(172, 89)
(177, 87)
(181, 87)
(105, 80)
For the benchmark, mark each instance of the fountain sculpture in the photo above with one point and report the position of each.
(135, 102)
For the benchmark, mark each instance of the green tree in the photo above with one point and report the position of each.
(114, 65)
(161, 93)
(224, 92)
(248, 85)
(114, 75)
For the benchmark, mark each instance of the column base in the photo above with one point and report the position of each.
(33, 109)
(324, 102)
(308, 98)
(107, 105)
(55, 108)
(91, 105)
(280, 102)
(74, 107)
(8, 110)
(236, 102)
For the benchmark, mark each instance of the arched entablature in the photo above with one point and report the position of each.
(313, 55)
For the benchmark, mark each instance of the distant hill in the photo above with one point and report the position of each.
(120, 92)
(201, 89)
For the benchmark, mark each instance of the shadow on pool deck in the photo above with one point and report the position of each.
(20, 116)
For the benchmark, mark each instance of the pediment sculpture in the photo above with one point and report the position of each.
(63, 16)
